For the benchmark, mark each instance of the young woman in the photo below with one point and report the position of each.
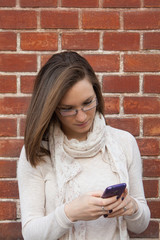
(70, 156)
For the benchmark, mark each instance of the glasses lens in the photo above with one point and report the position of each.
(91, 105)
(66, 113)
(73, 112)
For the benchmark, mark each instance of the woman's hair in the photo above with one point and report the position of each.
(54, 79)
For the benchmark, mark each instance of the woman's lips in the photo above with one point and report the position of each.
(82, 124)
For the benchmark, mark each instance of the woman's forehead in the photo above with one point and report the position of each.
(78, 93)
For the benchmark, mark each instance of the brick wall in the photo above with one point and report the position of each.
(121, 40)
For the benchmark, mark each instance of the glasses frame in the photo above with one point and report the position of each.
(77, 110)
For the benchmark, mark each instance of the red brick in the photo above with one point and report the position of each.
(151, 126)
(151, 40)
(8, 41)
(7, 210)
(148, 147)
(16, 19)
(80, 41)
(104, 62)
(8, 84)
(7, 3)
(8, 169)
(111, 105)
(59, 19)
(39, 41)
(39, 3)
(10, 231)
(152, 231)
(121, 3)
(8, 127)
(151, 188)
(131, 125)
(121, 41)
(142, 63)
(139, 20)
(151, 84)
(155, 208)
(120, 84)
(10, 148)
(9, 189)
(151, 167)
(22, 126)
(14, 105)
(141, 105)
(27, 83)
(151, 3)
(18, 63)
(80, 4)
(45, 58)
(100, 20)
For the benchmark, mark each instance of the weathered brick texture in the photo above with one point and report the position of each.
(121, 3)
(131, 125)
(80, 41)
(120, 84)
(8, 84)
(8, 41)
(151, 3)
(142, 20)
(80, 4)
(39, 41)
(104, 62)
(18, 19)
(8, 169)
(7, 3)
(100, 20)
(18, 63)
(59, 19)
(39, 3)
(121, 40)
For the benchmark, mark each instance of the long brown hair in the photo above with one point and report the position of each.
(57, 76)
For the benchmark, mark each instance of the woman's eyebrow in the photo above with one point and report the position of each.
(67, 105)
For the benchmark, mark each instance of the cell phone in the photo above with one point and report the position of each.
(114, 190)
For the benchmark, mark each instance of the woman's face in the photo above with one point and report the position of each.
(78, 96)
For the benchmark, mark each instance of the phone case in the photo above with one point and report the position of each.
(114, 190)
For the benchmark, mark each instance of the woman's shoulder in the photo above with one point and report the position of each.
(120, 135)
(125, 140)
(24, 163)
(118, 131)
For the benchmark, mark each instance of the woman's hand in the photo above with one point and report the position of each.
(127, 206)
(89, 207)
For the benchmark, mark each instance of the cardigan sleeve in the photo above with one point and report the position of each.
(35, 225)
(139, 221)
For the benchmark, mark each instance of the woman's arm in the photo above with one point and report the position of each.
(35, 225)
(132, 205)
(139, 221)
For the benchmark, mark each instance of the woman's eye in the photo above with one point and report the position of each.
(66, 109)
(86, 103)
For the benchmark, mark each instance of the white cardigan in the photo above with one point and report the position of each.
(42, 220)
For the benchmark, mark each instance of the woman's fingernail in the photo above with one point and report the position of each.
(105, 215)
(122, 198)
(110, 211)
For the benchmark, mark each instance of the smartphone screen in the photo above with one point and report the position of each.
(114, 190)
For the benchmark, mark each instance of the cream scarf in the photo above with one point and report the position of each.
(63, 156)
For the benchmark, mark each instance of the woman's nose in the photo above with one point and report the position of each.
(81, 116)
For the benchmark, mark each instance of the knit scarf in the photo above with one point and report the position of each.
(63, 156)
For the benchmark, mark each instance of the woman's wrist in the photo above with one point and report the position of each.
(135, 206)
(68, 212)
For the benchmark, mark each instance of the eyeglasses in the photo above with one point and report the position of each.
(72, 112)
